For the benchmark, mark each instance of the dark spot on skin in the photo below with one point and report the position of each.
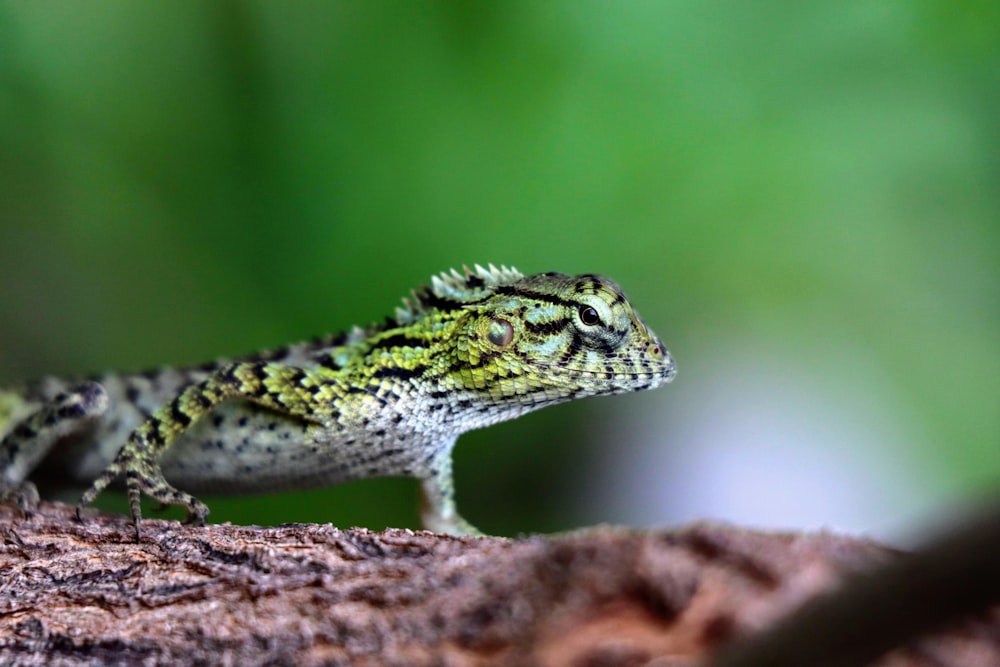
(400, 373)
(229, 376)
(243, 421)
(296, 376)
(132, 393)
(218, 420)
(380, 433)
(272, 426)
(326, 361)
(178, 415)
(153, 433)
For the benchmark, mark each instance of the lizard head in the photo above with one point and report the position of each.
(529, 341)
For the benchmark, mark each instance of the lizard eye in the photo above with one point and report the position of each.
(501, 332)
(589, 316)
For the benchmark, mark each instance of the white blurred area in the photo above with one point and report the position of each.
(757, 439)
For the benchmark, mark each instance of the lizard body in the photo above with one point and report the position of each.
(470, 350)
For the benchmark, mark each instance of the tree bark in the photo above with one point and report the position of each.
(74, 593)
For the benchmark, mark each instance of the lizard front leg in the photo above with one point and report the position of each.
(304, 393)
(31, 438)
(438, 511)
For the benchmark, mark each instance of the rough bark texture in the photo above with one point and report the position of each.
(84, 593)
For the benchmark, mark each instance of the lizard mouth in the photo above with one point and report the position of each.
(667, 373)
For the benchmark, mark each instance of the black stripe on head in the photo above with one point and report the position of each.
(574, 347)
(513, 290)
(547, 328)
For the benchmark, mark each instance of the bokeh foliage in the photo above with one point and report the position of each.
(185, 180)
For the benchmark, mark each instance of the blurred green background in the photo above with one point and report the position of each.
(802, 199)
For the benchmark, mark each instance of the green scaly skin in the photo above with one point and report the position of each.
(472, 349)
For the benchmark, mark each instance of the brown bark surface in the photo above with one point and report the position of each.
(85, 593)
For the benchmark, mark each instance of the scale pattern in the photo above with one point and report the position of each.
(471, 349)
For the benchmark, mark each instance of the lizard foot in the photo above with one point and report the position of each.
(143, 475)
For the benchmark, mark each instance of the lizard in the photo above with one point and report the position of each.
(471, 349)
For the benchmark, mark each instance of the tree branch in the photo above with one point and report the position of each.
(78, 593)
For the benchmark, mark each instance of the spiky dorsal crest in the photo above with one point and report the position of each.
(455, 287)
